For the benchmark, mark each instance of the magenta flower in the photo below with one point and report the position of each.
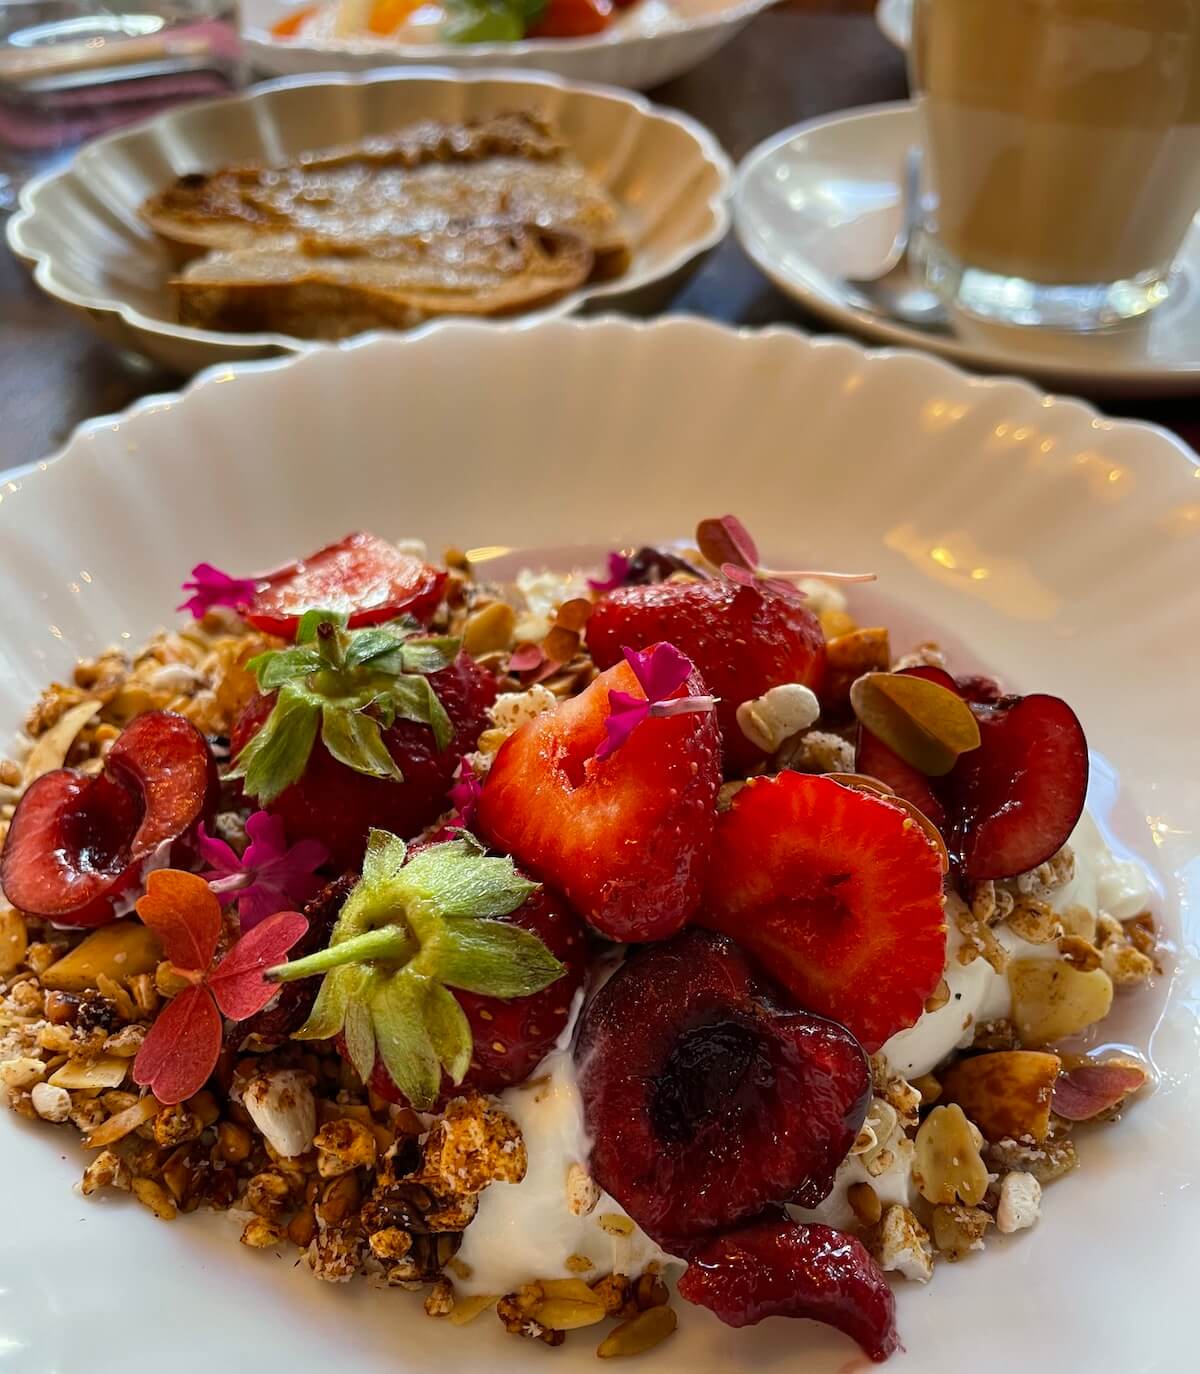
(464, 796)
(269, 877)
(618, 570)
(660, 672)
(211, 587)
(727, 544)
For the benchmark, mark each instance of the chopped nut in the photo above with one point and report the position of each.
(1020, 1202)
(568, 1304)
(959, 1230)
(40, 956)
(489, 629)
(181, 1174)
(175, 1125)
(999, 1034)
(474, 1144)
(650, 1291)
(126, 1042)
(939, 997)
(615, 1292)
(204, 1105)
(341, 1197)
(929, 1088)
(144, 993)
(948, 1165)
(269, 1194)
(817, 751)
(282, 1106)
(640, 1333)
(302, 1227)
(14, 940)
(582, 1191)
(439, 1301)
(333, 1255)
(233, 1142)
(1078, 920)
(902, 1245)
(392, 1243)
(467, 1309)
(261, 1234)
(1125, 965)
(1079, 953)
(777, 715)
(86, 1113)
(1034, 921)
(1048, 877)
(155, 1196)
(21, 1073)
(615, 1224)
(1052, 1000)
(864, 1202)
(107, 1170)
(344, 1145)
(1045, 1162)
(51, 1103)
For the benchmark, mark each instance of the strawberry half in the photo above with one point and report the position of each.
(337, 805)
(1013, 802)
(837, 894)
(361, 575)
(626, 837)
(76, 842)
(742, 640)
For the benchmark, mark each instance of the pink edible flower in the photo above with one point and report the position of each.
(618, 570)
(211, 587)
(269, 877)
(660, 671)
(464, 796)
(727, 544)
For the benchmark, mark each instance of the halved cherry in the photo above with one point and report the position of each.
(362, 575)
(76, 842)
(878, 760)
(1015, 800)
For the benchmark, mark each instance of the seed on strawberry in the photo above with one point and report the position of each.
(625, 837)
(837, 894)
(743, 641)
(706, 1100)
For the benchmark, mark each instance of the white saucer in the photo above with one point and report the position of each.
(894, 17)
(821, 201)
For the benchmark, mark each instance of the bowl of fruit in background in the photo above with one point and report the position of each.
(631, 43)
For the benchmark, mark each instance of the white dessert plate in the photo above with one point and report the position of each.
(894, 17)
(644, 46)
(997, 518)
(820, 202)
(78, 228)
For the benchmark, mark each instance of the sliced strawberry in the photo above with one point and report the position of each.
(786, 1269)
(742, 640)
(1014, 801)
(338, 806)
(1010, 804)
(76, 842)
(626, 838)
(362, 575)
(837, 894)
(512, 1036)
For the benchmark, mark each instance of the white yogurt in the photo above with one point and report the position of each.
(526, 1231)
(977, 992)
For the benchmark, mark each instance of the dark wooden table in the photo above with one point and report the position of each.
(800, 60)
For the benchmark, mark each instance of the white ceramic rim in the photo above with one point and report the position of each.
(42, 264)
(444, 53)
(220, 372)
(1146, 381)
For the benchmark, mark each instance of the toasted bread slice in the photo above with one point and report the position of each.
(313, 289)
(428, 177)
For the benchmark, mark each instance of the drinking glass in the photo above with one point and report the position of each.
(71, 70)
(1063, 146)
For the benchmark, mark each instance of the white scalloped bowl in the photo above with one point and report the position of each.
(79, 230)
(1052, 544)
(620, 56)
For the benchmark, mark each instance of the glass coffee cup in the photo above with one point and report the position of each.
(1062, 142)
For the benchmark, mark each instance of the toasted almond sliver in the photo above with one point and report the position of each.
(467, 1309)
(565, 1314)
(119, 1126)
(51, 749)
(108, 1071)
